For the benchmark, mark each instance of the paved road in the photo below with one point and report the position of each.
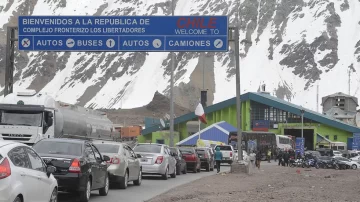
(150, 187)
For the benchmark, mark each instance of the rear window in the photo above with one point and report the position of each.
(50, 147)
(186, 150)
(148, 148)
(227, 148)
(108, 148)
(174, 150)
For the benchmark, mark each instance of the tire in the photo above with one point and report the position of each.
(354, 167)
(178, 171)
(185, 170)
(139, 179)
(165, 176)
(124, 181)
(105, 190)
(18, 199)
(173, 175)
(54, 196)
(208, 167)
(85, 195)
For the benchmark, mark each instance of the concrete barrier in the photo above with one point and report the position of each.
(240, 167)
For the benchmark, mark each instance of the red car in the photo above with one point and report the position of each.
(192, 158)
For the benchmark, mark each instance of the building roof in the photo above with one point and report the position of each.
(216, 132)
(339, 94)
(269, 100)
(336, 112)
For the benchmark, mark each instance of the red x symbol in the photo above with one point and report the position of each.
(26, 42)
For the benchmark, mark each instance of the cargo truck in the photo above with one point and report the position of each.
(28, 117)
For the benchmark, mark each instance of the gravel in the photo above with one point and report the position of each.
(271, 183)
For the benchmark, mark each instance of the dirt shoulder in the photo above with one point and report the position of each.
(271, 183)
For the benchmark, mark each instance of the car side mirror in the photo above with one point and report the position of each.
(138, 156)
(106, 158)
(50, 170)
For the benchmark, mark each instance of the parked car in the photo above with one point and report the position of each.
(79, 165)
(24, 176)
(192, 159)
(124, 165)
(156, 160)
(227, 152)
(207, 161)
(352, 164)
(180, 162)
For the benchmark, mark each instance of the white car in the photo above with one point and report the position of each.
(353, 164)
(24, 177)
(337, 154)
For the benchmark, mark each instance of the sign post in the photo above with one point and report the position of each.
(124, 33)
(356, 141)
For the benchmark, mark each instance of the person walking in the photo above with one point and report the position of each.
(258, 159)
(269, 155)
(218, 158)
(280, 157)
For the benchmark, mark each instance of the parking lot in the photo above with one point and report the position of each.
(151, 186)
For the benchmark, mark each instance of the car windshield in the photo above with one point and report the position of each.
(226, 148)
(21, 118)
(0, 157)
(51, 147)
(186, 150)
(148, 148)
(108, 148)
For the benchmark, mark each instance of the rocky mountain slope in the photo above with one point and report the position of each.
(291, 46)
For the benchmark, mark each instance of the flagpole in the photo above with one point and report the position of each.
(199, 130)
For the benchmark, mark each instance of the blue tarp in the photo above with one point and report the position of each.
(216, 132)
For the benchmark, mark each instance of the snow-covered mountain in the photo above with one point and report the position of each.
(290, 45)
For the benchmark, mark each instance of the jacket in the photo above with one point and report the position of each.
(218, 154)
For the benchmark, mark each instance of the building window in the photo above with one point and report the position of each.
(326, 136)
(335, 137)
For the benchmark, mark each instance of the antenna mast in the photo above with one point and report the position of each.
(349, 80)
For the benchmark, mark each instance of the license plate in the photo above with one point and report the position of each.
(146, 161)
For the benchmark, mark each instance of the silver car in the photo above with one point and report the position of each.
(124, 165)
(156, 159)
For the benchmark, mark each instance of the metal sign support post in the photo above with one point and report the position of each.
(234, 36)
(172, 88)
(9, 59)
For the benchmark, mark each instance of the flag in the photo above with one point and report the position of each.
(199, 111)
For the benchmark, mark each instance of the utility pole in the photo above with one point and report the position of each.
(302, 122)
(238, 89)
(172, 88)
(349, 71)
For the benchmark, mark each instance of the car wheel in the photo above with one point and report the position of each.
(138, 181)
(165, 176)
(174, 174)
(54, 194)
(17, 199)
(124, 181)
(85, 195)
(105, 190)
(354, 167)
(185, 170)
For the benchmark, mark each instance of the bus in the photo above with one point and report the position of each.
(284, 142)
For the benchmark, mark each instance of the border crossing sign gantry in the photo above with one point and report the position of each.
(124, 33)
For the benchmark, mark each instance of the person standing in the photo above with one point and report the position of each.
(258, 159)
(280, 157)
(269, 155)
(218, 158)
(252, 158)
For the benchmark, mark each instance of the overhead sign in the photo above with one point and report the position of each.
(261, 125)
(123, 33)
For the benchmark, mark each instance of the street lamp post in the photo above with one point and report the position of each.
(172, 88)
(302, 122)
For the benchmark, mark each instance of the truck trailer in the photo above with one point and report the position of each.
(29, 117)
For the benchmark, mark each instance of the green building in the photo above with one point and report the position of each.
(261, 111)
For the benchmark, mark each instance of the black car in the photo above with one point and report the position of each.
(180, 162)
(206, 158)
(79, 165)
